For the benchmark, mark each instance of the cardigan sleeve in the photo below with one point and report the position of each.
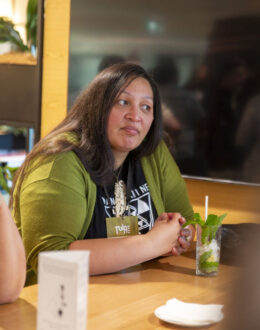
(54, 207)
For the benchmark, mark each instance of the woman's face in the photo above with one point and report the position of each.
(130, 117)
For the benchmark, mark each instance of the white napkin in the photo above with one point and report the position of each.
(179, 312)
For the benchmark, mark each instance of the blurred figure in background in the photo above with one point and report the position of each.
(222, 102)
(228, 77)
(183, 118)
(12, 257)
(110, 60)
(248, 139)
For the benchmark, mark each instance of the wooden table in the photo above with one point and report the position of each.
(127, 300)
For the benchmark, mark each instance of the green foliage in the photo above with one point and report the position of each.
(5, 129)
(8, 33)
(197, 220)
(212, 220)
(205, 265)
(205, 256)
(6, 174)
(209, 266)
(31, 23)
(209, 227)
(206, 234)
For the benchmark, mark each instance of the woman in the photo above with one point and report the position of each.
(104, 172)
(12, 257)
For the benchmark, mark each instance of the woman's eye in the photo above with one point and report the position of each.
(122, 102)
(146, 107)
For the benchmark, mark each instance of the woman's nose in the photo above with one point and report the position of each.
(133, 113)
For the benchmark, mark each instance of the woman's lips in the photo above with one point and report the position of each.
(131, 130)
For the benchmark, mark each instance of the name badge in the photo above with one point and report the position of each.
(122, 226)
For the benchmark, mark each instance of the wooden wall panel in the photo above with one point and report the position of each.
(55, 63)
(241, 202)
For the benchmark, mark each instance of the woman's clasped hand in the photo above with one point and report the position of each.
(168, 229)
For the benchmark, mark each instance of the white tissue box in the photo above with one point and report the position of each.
(62, 293)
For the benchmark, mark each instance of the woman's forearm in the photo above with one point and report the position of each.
(109, 255)
(114, 254)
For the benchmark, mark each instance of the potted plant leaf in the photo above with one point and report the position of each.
(8, 34)
(31, 25)
(7, 174)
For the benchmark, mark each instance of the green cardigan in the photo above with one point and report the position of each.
(57, 201)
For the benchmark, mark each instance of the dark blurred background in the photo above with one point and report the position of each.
(204, 56)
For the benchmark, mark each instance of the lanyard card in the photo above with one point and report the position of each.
(122, 226)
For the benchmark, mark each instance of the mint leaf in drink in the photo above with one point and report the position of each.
(209, 227)
(214, 220)
(204, 257)
(213, 231)
(209, 266)
(197, 220)
(206, 231)
(190, 222)
(221, 218)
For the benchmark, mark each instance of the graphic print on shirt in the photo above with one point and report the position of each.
(140, 205)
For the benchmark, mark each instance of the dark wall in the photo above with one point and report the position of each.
(204, 56)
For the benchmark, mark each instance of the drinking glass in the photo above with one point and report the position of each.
(208, 250)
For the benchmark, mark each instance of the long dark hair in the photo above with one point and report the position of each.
(87, 120)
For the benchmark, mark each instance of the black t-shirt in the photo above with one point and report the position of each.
(140, 203)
